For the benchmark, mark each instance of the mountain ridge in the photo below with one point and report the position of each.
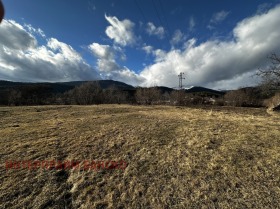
(61, 87)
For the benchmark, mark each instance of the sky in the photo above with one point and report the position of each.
(217, 44)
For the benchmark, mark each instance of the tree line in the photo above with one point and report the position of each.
(266, 94)
(91, 93)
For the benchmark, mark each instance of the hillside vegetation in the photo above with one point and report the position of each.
(176, 157)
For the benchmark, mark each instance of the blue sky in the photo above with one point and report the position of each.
(217, 44)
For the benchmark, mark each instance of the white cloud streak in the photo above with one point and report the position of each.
(35, 31)
(121, 32)
(191, 24)
(219, 17)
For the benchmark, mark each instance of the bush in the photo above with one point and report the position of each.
(273, 102)
(86, 94)
(245, 97)
(148, 96)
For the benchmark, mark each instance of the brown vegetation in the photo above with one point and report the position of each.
(244, 97)
(273, 103)
(177, 157)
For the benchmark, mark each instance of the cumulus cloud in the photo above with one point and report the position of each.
(14, 36)
(216, 62)
(156, 31)
(102, 51)
(109, 68)
(23, 60)
(105, 55)
(121, 32)
(238, 81)
(126, 75)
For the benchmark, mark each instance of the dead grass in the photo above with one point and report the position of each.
(177, 157)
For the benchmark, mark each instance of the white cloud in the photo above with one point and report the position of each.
(221, 64)
(126, 75)
(14, 36)
(178, 37)
(108, 66)
(238, 81)
(105, 55)
(107, 52)
(219, 17)
(153, 30)
(191, 24)
(102, 51)
(120, 53)
(214, 63)
(110, 69)
(35, 31)
(23, 60)
(121, 32)
(159, 55)
(148, 49)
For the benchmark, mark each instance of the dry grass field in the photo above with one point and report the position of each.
(176, 157)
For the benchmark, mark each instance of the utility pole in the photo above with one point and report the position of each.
(181, 80)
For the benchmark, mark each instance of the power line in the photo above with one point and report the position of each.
(164, 16)
(141, 11)
(157, 13)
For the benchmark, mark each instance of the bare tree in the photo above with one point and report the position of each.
(271, 82)
(148, 96)
(87, 93)
(271, 76)
(179, 97)
(14, 97)
(114, 95)
(244, 97)
(235, 98)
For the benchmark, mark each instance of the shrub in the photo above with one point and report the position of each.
(273, 102)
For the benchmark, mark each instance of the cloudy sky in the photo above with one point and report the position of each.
(218, 44)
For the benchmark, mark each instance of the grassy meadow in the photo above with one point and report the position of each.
(177, 157)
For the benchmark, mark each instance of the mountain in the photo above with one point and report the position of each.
(165, 89)
(61, 87)
(104, 84)
(199, 89)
